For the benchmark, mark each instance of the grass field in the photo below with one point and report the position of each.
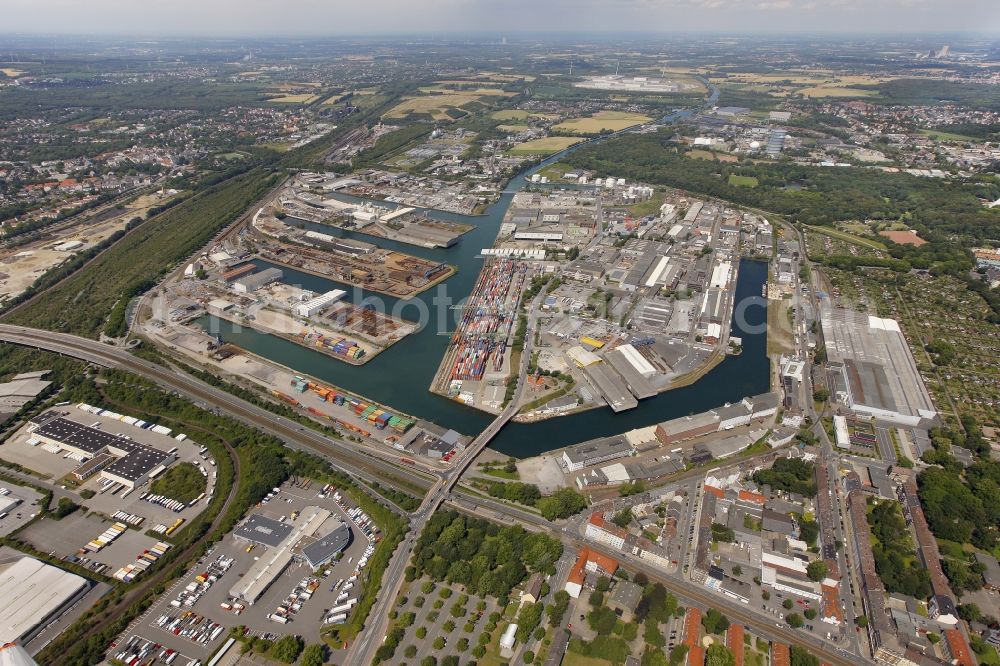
(850, 238)
(575, 659)
(743, 181)
(699, 154)
(512, 128)
(603, 120)
(303, 98)
(434, 105)
(544, 146)
(333, 99)
(835, 91)
(946, 136)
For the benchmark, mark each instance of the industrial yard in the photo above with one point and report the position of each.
(112, 462)
(258, 299)
(295, 564)
(311, 199)
(637, 296)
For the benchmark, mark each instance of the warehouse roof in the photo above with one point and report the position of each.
(263, 530)
(139, 462)
(320, 552)
(31, 592)
(686, 423)
(598, 449)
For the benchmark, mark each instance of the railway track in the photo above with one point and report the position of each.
(357, 463)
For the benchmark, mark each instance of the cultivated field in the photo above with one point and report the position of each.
(544, 146)
(603, 120)
(304, 98)
(834, 91)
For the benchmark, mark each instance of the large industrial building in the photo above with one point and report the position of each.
(255, 281)
(319, 303)
(314, 537)
(32, 594)
(594, 453)
(116, 457)
(871, 369)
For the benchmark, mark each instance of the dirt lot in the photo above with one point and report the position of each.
(21, 266)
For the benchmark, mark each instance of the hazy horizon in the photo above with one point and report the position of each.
(319, 18)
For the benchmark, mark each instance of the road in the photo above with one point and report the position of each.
(359, 464)
(687, 591)
(365, 466)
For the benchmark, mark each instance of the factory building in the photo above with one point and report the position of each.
(686, 427)
(121, 459)
(321, 302)
(32, 595)
(315, 537)
(255, 281)
(21, 390)
(593, 453)
(871, 369)
(544, 236)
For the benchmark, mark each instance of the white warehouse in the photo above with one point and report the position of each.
(314, 305)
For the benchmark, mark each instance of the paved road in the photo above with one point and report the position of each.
(360, 464)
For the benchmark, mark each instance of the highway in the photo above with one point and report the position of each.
(356, 463)
(366, 466)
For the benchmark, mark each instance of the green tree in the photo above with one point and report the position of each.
(286, 649)
(794, 620)
(799, 656)
(314, 655)
(816, 570)
(715, 622)
(719, 655)
(563, 504)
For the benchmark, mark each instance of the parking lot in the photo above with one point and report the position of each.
(187, 616)
(110, 498)
(18, 505)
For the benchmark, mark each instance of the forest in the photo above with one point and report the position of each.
(488, 559)
(814, 195)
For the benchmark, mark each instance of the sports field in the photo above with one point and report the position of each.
(544, 146)
(603, 120)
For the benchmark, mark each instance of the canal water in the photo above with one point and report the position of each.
(401, 376)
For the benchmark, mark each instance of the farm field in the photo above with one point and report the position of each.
(545, 146)
(513, 128)
(603, 120)
(835, 91)
(333, 99)
(303, 98)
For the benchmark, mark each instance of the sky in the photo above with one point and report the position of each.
(358, 17)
